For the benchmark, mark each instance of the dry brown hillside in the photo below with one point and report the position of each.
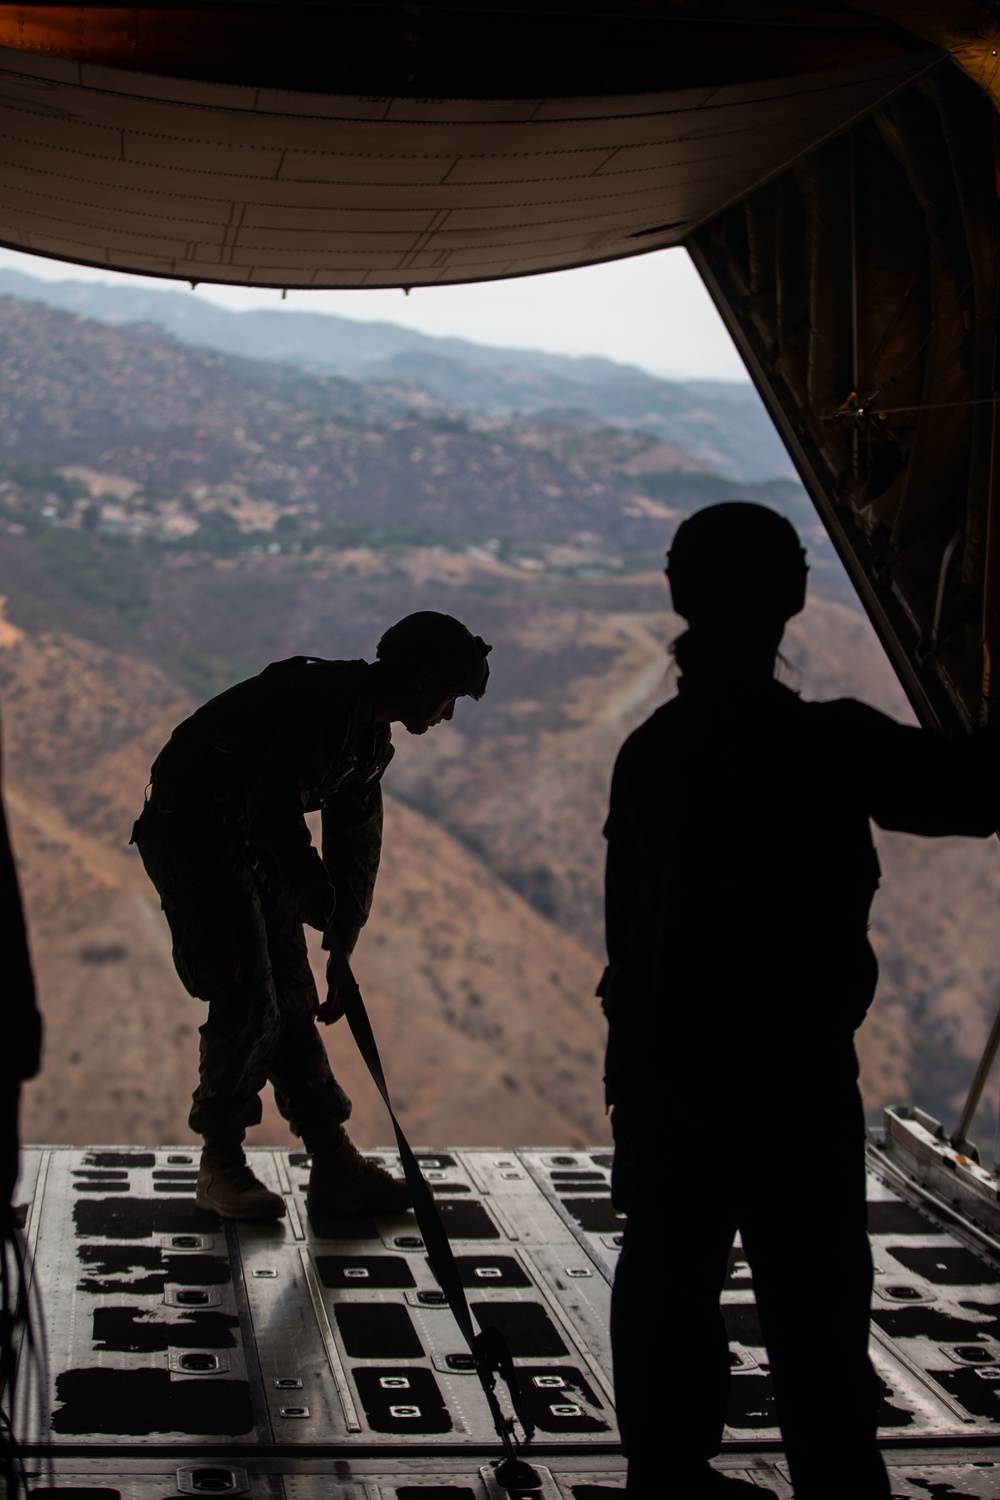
(484, 946)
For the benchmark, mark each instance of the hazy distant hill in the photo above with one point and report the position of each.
(175, 444)
(721, 422)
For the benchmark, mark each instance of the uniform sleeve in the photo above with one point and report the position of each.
(917, 781)
(352, 846)
(279, 831)
(625, 984)
(300, 761)
(21, 1021)
(623, 867)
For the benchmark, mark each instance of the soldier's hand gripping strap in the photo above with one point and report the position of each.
(489, 1347)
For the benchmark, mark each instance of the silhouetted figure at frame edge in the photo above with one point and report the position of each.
(20, 1055)
(740, 875)
(224, 839)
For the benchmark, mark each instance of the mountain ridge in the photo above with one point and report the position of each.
(365, 341)
(183, 446)
(723, 421)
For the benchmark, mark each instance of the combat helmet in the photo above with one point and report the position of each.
(737, 560)
(442, 642)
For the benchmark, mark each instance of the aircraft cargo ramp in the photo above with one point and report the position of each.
(189, 1356)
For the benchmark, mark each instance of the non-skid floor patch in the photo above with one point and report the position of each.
(138, 1218)
(137, 1403)
(134, 1330)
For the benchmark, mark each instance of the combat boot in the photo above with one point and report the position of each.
(227, 1186)
(341, 1181)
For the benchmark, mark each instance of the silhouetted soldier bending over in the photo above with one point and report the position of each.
(224, 840)
(740, 875)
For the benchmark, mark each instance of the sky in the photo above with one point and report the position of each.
(651, 310)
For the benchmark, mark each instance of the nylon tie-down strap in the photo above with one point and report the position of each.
(488, 1348)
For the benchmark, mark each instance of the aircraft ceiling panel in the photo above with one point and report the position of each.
(217, 182)
(582, 109)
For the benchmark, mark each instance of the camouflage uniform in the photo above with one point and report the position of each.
(224, 840)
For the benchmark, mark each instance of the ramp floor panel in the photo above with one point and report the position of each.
(318, 1358)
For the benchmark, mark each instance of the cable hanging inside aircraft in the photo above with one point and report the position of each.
(863, 410)
(864, 413)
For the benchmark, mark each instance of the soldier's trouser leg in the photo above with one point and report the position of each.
(236, 1043)
(665, 1307)
(212, 902)
(305, 1090)
(233, 972)
(804, 1216)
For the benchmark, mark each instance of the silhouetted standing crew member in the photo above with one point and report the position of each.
(20, 1029)
(224, 840)
(740, 875)
(20, 1056)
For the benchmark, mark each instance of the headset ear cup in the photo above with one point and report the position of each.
(692, 581)
(798, 603)
(794, 601)
(797, 591)
(679, 599)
